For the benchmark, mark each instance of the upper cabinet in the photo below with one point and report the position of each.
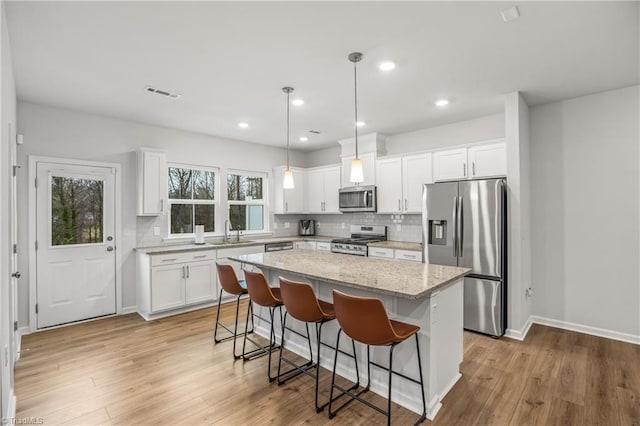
(289, 200)
(400, 181)
(480, 161)
(368, 167)
(488, 160)
(322, 189)
(152, 182)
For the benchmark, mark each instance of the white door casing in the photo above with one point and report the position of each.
(75, 279)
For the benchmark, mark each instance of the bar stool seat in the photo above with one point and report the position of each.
(263, 295)
(364, 319)
(303, 305)
(229, 283)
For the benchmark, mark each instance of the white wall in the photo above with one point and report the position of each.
(585, 211)
(56, 132)
(460, 133)
(8, 121)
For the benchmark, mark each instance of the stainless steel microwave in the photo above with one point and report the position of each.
(358, 199)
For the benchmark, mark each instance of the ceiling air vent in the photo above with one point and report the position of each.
(166, 93)
(315, 132)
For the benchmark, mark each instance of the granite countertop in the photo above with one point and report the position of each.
(176, 248)
(400, 245)
(409, 280)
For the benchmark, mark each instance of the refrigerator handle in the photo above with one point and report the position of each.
(454, 216)
(498, 226)
(460, 224)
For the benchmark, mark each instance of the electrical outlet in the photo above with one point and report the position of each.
(156, 231)
(528, 293)
(286, 225)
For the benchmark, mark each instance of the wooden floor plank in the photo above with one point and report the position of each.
(124, 370)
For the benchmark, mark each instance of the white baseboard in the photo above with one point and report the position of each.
(183, 310)
(22, 331)
(594, 331)
(11, 414)
(519, 334)
(128, 310)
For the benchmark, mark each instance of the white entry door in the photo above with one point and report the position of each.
(75, 225)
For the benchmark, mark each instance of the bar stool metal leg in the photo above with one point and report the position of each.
(261, 350)
(234, 332)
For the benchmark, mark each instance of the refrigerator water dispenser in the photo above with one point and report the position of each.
(438, 232)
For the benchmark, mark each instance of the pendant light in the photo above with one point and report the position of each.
(357, 173)
(287, 182)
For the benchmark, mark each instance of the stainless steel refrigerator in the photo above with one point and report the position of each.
(465, 224)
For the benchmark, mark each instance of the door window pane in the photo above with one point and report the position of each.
(181, 218)
(77, 207)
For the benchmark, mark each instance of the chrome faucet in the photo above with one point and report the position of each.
(225, 239)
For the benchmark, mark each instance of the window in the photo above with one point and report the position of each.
(192, 199)
(246, 197)
(77, 207)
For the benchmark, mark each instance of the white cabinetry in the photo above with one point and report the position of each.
(380, 252)
(450, 165)
(152, 182)
(323, 246)
(411, 255)
(480, 161)
(368, 167)
(322, 189)
(400, 181)
(224, 254)
(175, 280)
(289, 200)
(488, 160)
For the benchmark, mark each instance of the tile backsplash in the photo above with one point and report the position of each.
(406, 227)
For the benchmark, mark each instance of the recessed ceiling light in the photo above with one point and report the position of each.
(303, 138)
(297, 102)
(387, 66)
(360, 123)
(243, 125)
(442, 102)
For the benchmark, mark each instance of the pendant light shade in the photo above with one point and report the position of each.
(357, 172)
(288, 179)
(287, 182)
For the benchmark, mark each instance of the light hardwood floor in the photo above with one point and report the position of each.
(123, 370)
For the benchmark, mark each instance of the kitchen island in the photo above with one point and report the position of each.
(430, 296)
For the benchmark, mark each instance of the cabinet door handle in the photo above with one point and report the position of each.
(183, 272)
(200, 257)
(399, 208)
(405, 204)
(161, 205)
(464, 170)
(286, 207)
(169, 260)
(473, 168)
(187, 271)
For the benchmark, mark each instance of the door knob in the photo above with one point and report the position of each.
(109, 248)
(16, 275)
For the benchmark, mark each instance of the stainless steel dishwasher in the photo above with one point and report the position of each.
(284, 245)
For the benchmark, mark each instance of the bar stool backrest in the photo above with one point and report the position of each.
(301, 302)
(228, 279)
(364, 319)
(259, 289)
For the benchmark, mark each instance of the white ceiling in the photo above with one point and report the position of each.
(230, 60)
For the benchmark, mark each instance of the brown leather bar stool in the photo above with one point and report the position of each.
(269, 297)
(229, 282)
(303, 305)
(365, 320)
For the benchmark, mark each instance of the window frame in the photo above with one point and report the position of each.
(216, 202)
(264, 202)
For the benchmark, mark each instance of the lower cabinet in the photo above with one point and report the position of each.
(389, 253)
(175, 280)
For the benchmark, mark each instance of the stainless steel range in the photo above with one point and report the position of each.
(361, 235)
